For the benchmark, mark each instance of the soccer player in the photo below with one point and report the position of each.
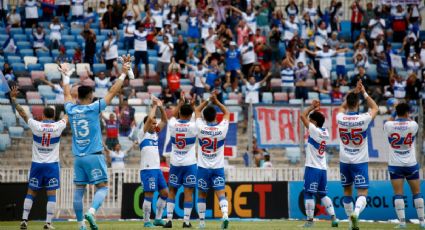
(183, 159)
(354, 156)
(44, 171)
(150, 172)
(402, 164)
(89, 162)
(211, 136)
(315, 179)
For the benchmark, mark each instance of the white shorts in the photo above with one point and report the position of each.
(325, 72)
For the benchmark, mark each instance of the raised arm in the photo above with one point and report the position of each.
(13, 94)
(215, 101)
(66, 73)
(116, 88)
(164, 118)
(235, 9)
(304, 116)
(269, 74)
(374, 109)
(198, 110)
(179, 105)
(151, 117)
(310, 52)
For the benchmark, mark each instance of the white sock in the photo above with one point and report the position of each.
(202, 207)
(92, 211)
(81, 224)
(160, 205)
(399, 209)
(170, 209)
(224, 208)
(187, 211)
(360, 205)
(147, 207)
(50, 209)
(27, 207)
(309, 208)
(419, 205)
(348, 207)
(327, 202)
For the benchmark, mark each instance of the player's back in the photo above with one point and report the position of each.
(316, 147)
(401, 135)
(352, 128)
(148, 143)
(46, 140)
(85, 126)
(183, 139)
(211, 139)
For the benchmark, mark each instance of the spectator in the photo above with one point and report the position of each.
(120, 9)
(109, 19)
(356, 19)
(38, 38)
(383, 68)
(413, 87)
(360, 60)
(13, 18)
(214, 71)
(301, 74)
(167, 97)
(181, 48)
(31, 13)
(127, 90)
(248, 55)
(62, 8)
(399, 23)
(62, 57)
(141, 49)
(133, 6)
(116, 158)
(376, 26)
(90, 47)
(253, 88)
(8, 72)
(48, 7)
(249, 17)
(77, 9)
(173, 76)
(311, 11)
(166, 50)
(263, 18)
(110, 49)
(78, 56)
(210, 41)
(199, 72)
(291, 8)
(369, 15)
(173, 18)
(414, 65)
(102, 82)
(287, 75)
(321, 35)
(193, 30)
(129, 26)
(398, 85)
(410, 45)
(291, 29)
(156, 13)
(111, 125)
(307, 27)
(267, 162)
(274, 39)
(337, 15)
(233, 57)
(101, 10)
(126, 118)
(55, 33)
(243, 30)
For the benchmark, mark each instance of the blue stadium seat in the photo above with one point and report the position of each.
(372, 72)
(70, 45)
(28, 31)
(6, 109)
(23, 45)
(70, 53)
(26, 52)
(32, 67)
(16, 132)
(55, 54)
(35, 101)
(97, 68)
(18, 67)
(44, 60)
(152, 53)
(20, 37)
(105, 32)
(8, 119)
(4, 142)
(76, 31)
(15, 59)
(293, 154)
(14, 31)
(1, 127)
(53, 75)
(101, 37)
(42, 53)
(267, 97)
(68, 38)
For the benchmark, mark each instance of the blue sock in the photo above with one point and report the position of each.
(78, 203)
(99, 196)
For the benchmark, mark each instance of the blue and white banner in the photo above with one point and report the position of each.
(379, 202)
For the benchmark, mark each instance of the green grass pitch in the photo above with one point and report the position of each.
(243, 225)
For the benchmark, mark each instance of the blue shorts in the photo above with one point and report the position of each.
(183, 175)
(399, 172)
(44, 175)
(354, 173)
(90, 169)
(211, 178)
(315, 180)
(152, 180)
(340, 70)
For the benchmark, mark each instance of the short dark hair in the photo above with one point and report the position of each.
(402, 109)
(209, 114)
(84, 91)
(186, 110)
(49, 112)
(318, 118)
(352, 100)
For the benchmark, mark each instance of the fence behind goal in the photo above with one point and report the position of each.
(112, 205)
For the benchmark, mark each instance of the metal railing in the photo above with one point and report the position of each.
(112, 204)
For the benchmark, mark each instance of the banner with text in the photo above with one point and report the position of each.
(280, 126)
(246, 200)
(379, 201)
(400, 2)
